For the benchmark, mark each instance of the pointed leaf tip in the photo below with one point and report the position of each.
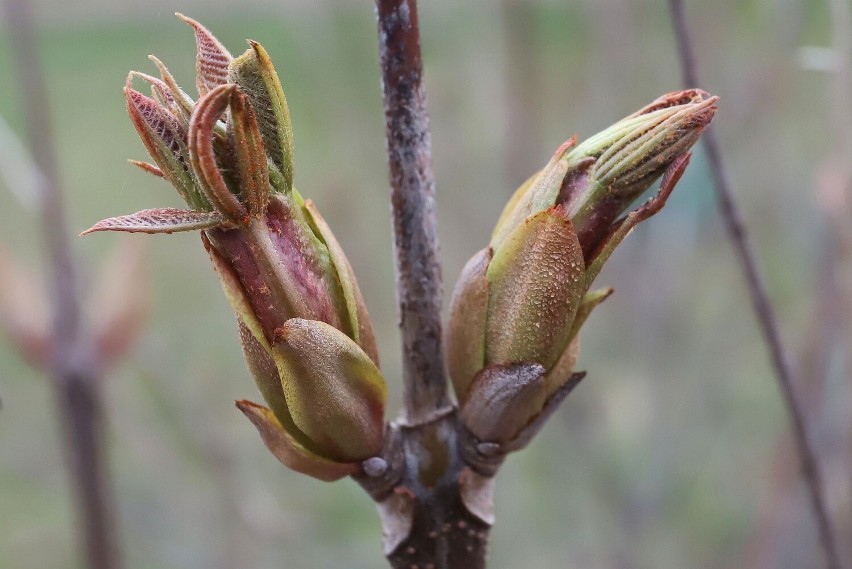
(150, 168)
(160, 220)
(184, 101)
(159, 88)
(212, 59)
(287, 450)
(165, 138)
(564, 148)
(537, 194)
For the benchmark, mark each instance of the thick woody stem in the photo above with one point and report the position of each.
(418, 272)
(761, 304)
(74, 365)
(435, 510)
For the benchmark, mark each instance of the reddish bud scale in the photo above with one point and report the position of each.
(147, 114)
(314, 295)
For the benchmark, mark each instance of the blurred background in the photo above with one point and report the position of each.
(673, 453)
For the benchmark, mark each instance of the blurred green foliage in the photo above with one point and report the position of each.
(660, 459)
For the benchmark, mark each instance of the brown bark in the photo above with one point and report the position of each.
(435, 509)
(418, 271)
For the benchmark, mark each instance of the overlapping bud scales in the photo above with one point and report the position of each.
(519, 304)
(303, 324)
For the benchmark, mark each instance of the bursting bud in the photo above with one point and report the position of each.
(303, 324)
(519, 304)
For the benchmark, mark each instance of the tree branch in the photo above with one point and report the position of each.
(760, 301)
(435, 511)
(74, 364)
(418, 272)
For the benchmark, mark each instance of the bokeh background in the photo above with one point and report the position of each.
(674, 451)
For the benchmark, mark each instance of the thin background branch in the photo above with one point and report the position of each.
(74, 365)
(778, 520)
(835, 192)
(760, 301)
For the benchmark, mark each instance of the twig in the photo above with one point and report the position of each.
(73, 364)
(418, 272)
(778, 517)
(760, 301)
(837, 190)
(434, 508)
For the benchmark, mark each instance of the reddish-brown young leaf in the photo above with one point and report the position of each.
(181, 98)
(165, 139)
(160, 220)
(152, 120)
(160, 89)
(212, 59)
(672, 99)
(207, 111)
(250, 153)
(145, 166)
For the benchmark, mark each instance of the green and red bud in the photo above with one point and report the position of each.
(516, 313)
(597, 180)
(629, 161)
(304, 327)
